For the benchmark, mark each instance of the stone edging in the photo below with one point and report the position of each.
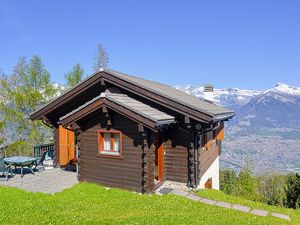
(242, 208)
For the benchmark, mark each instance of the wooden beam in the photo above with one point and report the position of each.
(109, 123)
(187, 119)
(141, 127)
(75, 126)
(102, 82)
(104, 109)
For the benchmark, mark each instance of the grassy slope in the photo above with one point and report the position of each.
(220, 196)
(90, 203)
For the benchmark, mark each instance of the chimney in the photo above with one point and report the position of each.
(208, 92)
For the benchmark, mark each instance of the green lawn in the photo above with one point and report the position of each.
(220, 196)
(93, 204)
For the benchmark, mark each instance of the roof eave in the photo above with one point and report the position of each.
(223, 117)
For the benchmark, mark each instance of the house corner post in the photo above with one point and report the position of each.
(144, 163)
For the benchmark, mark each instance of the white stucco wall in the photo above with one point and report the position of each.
(212, 172)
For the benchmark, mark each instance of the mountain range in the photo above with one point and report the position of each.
(265, 133)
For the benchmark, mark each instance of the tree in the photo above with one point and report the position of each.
(293, 191)
(101, 58)
(27, 89)
(247, 185)
(228, 181)
(272, 189)
(75, 76)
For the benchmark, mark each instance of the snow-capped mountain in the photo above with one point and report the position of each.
(284, 88)
(230, 97)
(236, 97)
(273, 108)
(266, 128)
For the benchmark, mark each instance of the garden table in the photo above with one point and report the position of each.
(22, 161)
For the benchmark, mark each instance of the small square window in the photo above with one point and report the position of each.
(110, 143)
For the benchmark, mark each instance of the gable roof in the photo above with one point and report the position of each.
(123, 104)
(186, 103)
(174, 94)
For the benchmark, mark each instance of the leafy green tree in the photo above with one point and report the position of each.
(75, 76)
(247, 186)
(293, 191)
(272, 189)
(228, 181)
(27, 89)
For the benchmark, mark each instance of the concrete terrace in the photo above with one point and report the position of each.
(49, 181)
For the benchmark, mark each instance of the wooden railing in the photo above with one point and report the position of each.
(40, 149)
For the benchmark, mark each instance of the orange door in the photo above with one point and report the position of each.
(159, 158)
(161, 162)
(66, 146)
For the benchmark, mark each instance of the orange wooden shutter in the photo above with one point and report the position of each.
(221, 132)
(66, 146)
(63, 146)
(71, 145)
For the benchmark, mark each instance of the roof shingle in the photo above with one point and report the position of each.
(174, 94)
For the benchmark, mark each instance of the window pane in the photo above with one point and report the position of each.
(107, 141)
(117, 142)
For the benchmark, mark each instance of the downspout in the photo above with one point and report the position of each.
(197, 146)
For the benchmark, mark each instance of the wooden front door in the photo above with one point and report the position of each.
(159, 159)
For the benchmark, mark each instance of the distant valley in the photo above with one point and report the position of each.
(265, 133)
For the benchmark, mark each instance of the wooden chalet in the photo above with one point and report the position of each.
(135, 134)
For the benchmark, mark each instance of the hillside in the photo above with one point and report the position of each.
(265, 131)
(92, 204)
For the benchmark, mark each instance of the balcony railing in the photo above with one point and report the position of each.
(40, 149)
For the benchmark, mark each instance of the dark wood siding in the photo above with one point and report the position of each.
(150, 151)
(56, 147)
(122, 173)
(208, 155)
(176, 155)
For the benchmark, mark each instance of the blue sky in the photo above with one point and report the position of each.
(245, 44)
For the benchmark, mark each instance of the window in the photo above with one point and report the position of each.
(110, 143)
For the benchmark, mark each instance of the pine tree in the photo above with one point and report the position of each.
(101, 58)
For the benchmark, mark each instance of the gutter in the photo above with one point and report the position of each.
(223, 117)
